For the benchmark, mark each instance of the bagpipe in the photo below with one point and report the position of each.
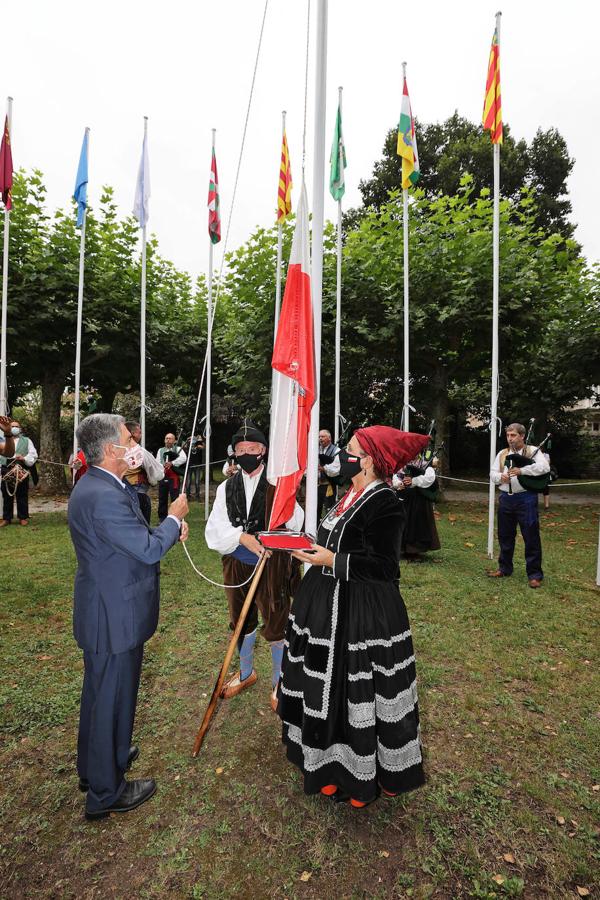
(14, 475)
(517, 460)
(424, 460)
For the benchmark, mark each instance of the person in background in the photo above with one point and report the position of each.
(518, 506)
(326, 490)
(79, 465)
(194, 447)
(416, 485)
(150, 472)
(25, 455)
(171, 456)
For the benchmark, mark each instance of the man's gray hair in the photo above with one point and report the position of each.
(516, 426)
(95, 432)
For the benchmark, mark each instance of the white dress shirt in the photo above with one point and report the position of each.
(539, 466)
(224, 537)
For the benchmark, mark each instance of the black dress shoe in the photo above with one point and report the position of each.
(135, 793)
(134, 752)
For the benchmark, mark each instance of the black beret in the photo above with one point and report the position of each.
(248, 432)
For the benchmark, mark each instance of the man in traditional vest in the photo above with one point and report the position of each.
(518, 506)
(150, 472)
(171, 456)
(25, 455)
(241, 510)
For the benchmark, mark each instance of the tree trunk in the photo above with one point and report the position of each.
(52, 478)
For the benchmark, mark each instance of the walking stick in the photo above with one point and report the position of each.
(228, 656)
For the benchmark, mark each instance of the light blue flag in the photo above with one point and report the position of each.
(81, 182)
(141, 203)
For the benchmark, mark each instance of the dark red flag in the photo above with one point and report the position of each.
(6, 168)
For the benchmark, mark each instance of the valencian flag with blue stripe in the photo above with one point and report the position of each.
(492, 103)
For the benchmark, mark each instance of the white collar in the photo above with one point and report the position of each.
(112, 474)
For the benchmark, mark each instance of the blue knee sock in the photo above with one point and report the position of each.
(247, 655)
(276, 659)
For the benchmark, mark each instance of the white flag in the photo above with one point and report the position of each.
(141, 204)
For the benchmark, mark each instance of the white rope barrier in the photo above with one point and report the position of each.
(216, 583)
(487, 484)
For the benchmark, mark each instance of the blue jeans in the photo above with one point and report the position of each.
(519, 509)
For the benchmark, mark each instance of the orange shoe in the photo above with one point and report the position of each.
(235, 685)
(329, 790)
(23, 521)
(273, 700)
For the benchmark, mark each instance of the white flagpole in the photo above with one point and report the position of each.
(279, 253)
(338, 310)
(3, 382)
(317, 259)
(495, 309)
(406, 377)
(143, 322)
(208, 368)
(79, 320)
(598, 558)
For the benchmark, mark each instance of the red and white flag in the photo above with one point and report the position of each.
(293, 376)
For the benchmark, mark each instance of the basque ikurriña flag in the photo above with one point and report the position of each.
(492, 102)
(293, 376)
(284, 188)
(214, 218)
(407, 142)
(6, 168)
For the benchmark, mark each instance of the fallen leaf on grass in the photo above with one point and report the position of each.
(508, 857)
(219, 771)
(596, 787)
(384, 853)
(469, 544)
(583, 891)
(306, 876)
(560, 820)
(44, 657)
(564, 774)
(499, 879)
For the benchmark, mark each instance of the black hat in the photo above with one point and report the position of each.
(248, 432)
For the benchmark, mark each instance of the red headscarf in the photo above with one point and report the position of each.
(390, 448)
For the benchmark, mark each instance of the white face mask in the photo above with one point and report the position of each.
(133, 456)
(15, 431)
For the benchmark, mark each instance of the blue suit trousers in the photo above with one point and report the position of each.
(108, 701)
(519, 509)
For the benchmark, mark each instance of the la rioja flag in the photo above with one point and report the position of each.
(293, 376)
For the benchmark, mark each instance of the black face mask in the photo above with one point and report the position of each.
(249, 461)
(349, 465)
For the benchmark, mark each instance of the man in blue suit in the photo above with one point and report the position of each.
(115, 609)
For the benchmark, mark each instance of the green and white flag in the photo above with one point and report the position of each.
(337, 184)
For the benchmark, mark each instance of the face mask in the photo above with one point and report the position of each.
(133, 456)
(15, 431)
(349, 465)
(249, 461)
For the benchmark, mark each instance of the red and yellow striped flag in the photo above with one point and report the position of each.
(284, 191)
(492, 104)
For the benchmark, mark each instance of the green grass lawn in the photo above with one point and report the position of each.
(510, 721)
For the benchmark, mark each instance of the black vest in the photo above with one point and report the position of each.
(235, 498)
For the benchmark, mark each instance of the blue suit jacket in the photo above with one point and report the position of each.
(117, 581)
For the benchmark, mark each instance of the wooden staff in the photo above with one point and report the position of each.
(228, 657)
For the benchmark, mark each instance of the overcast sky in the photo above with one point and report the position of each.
(188, 65)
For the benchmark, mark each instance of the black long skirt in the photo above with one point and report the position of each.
(348, 695)
(420, 531)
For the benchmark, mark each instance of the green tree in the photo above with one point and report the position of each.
(453, 148)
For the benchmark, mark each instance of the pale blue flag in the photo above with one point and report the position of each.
(81, 181)
(141, 204)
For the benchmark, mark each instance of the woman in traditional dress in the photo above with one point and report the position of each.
(417, 482)
(348, 696)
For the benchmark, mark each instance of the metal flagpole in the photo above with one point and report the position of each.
(495, 308)
(79, 319)
(338, 310)
(279, 254)
(406, 377)
(598, 559)
(3, 381)
(317, 259)
(143, 322)
(208, 368)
